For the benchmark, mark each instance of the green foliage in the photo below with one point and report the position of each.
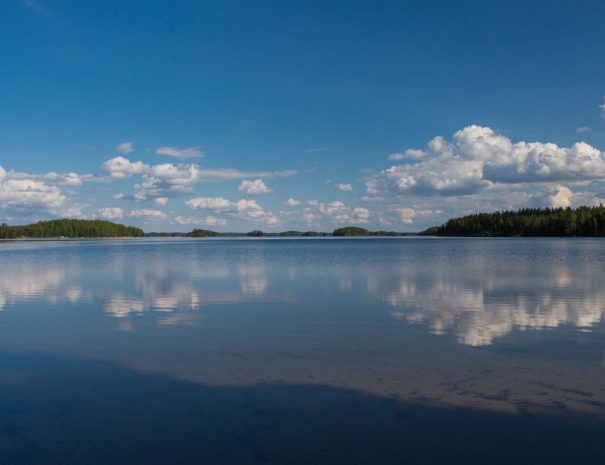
(255, 233)
(351, 231)
(290, 233)
(69, 228)
(562, 222)
(203, 233)
(314, 234)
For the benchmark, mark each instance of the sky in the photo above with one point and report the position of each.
(306, 115)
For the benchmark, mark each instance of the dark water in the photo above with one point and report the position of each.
(319, 351)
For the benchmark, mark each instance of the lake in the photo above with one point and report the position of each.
(302, 351)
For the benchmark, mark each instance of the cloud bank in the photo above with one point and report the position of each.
(477, 158)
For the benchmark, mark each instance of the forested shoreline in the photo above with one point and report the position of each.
(70, 228)
(528, 222)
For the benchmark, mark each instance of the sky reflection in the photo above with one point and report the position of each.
(477, 293)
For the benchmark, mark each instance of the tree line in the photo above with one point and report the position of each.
(560, 222)
(69, 228)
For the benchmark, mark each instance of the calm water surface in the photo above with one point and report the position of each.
(317, 351)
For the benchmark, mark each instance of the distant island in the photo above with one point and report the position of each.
(346, 231)
(69, 228)
(529, 222)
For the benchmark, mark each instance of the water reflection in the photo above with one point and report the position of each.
(126, 284)
(477, 291)
(487, 307)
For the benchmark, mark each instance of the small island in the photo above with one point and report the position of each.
(528, 222)
(69, 228)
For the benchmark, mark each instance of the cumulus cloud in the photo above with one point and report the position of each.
(147, 214)
(191, 152)
(28, 193)
(407, 215)
(161, 201)
(120, 167)
(344, 187)
(168, 179)
(477, 157)
(338, 212)
(561, 197)
(125, 147)
(205, 220)
(111, 213)
(293, 202)
(242, 209)
(255, 187)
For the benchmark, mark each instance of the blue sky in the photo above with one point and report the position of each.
(298, 115)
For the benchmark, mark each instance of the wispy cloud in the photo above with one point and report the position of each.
(125, 147)
(191, 152)
(111, 213)
(344, 187)
(147, 214)
(204, 220)
(35, 6)
(317, 149)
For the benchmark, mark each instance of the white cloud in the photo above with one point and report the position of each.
(245, 204)
(561, 197)
(29, 194)
(209, 203)
(344, 187)
(111, 213)
(255, 187)
(396, 156)
(293, 203)
(477, 158)
(125, 147)
(161, 201)
(73, 211)
(338, 212)
(118, 196)
(120, 167)
(206, 220)
(191, 152)
(583, 130)
(245, 209)
(407, 215)
(147, 214)
(168, 179)
(602, 107)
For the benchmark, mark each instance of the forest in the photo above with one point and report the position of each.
(557, 222)
(69, 228)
